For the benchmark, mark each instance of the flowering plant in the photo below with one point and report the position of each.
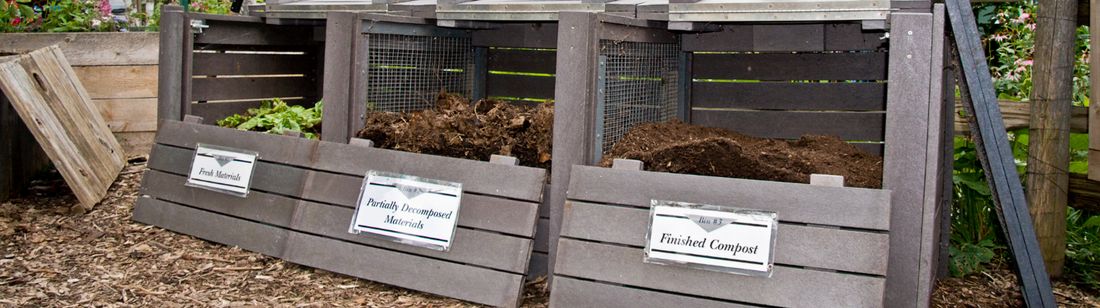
(16, 15)
(80, 16)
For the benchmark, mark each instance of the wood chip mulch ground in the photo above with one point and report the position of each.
(50, 257)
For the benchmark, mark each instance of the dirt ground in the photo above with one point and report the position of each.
(678, 147)
(457, 128)
(52, 258)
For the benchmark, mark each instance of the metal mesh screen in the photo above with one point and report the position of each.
(639, 84)
(405, 72)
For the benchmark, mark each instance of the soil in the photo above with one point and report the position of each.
(50, 257)
(457, 128)
(678, 147)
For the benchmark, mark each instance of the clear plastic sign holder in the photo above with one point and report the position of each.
(408, 209)
(711, 237)
(222, 169)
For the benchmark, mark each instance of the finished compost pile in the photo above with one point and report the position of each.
(456, 128)
(683, 148)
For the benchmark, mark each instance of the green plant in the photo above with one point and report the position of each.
(275, 115)
(16, 15)
(79, 16)
(1083, 246)
(211, 6)
(973, 233)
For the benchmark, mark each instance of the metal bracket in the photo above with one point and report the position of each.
(197, 25)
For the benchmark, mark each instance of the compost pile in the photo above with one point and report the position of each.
(457, 128)
(683, 148)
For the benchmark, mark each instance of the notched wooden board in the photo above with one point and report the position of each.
(53, 103)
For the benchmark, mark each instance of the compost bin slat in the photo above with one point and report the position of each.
(481, 212)
(520, 60)
(846, 207)
(521, 35)
(247, 33)
(90, 48)
(215, 111)
(571, 292)
(209, 226)
(444, 278)
(791, 66)
(825, 37)
(515, 182)
(333, 221)
(257, 87)
(252, 64)
(520, 86)
(861, 126)
(788, 286)
(542, 243)
(119, 81)
(863, 96)
(813, 246)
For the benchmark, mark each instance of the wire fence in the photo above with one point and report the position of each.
(405, 72)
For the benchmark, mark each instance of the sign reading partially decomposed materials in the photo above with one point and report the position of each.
(222, 169)
(711, 237)
(408, 209)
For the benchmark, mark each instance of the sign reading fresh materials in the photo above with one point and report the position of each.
(711, 237)
(408, 209)
(222, 169)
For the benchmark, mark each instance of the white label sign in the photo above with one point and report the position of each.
(222, 169)
(408, 209)
(711, 237)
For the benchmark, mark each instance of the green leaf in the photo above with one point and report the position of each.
(1079, 141)
(1093, 222)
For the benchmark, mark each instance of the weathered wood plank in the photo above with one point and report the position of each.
(519, 35)
(849, 96)
(252, 64)
(526, 61)
(46, 93)
(253, 33)
(787, 286)
(521, 86)
(791, 66)
(516, 182)
(128, 115)
(478, 211)
(1017, 115)
(734, 38)
(936, 177)
(536, 268)
(90, 48)
(861, 126)
(418, 273)
(471, 246)
(569, 292)
(109, 82)
(802, 203)
(827, 248)
(135, 143)
(212, 89)
(906, 152)
(212, 112)
(210, 226)
(852, 37)
(542, 241)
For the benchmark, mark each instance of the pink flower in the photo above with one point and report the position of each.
(105, 7)
(16, 21)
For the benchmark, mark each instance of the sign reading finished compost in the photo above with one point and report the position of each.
(711, 237)
(222, 169)
(408, 209)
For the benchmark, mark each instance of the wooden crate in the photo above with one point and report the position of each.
(303, 197)
(889, 99)
(513, 61)
(233, 64)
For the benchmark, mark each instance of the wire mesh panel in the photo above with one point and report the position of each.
(405, 71)
(638, 83)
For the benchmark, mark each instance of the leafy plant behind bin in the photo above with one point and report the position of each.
(973, 233)
(274, 116)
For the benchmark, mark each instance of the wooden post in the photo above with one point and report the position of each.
(171, 79)
(1048, 158)
(1094, 105)
(342, 29)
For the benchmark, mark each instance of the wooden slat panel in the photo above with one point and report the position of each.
(872, 148)
(212, 112)
(90, 48)
(209, 226)
(802, 203)
(444, 278)
(128, 115)
(804, 37)
(786, 287)
(110, 82)
(253, 33)
(526, 61)
(478, 211)
(834, 249)
(50, 99)
(787, 95)
(210, 89)
(860, 126)
(569, 292)
(732, 38)
(851, 37)
(515, 182)
(542, 242)
(135, 143)
(252, 64)
(538, 265)
(791, 66)
(526, 35)
(522, 86)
